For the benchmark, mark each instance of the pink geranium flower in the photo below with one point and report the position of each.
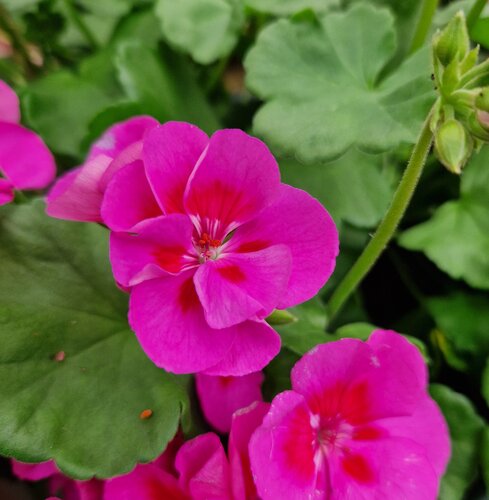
(234, 244)
(79, 194)
(358, 423)
(202, 469)
(220, 397)
(25, 161)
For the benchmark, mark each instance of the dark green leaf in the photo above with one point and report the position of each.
(323, 89)
(58, 296)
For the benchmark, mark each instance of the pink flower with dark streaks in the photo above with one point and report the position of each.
(358, 423)
(25, 161)
(234, 243)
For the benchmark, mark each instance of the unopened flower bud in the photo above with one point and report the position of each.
(482, 99)
(453, 145)
(452, 43)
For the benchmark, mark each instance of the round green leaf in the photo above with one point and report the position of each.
(73, 379)
(466, 429)
(206, 29)
(288, 7)
(324, 90)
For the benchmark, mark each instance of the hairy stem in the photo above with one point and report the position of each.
(389, 224)
(425, 18)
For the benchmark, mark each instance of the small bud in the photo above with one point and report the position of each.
(482, 99)
(452, 43)
(453, 145)
(280, 317)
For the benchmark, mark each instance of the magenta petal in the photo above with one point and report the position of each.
(427, 427)
(170, 153)
(9, 104)
(34, 472)
(256, 343)
(220, 397)
(236, 178)
(128, 198)
(24, 158)
(237, 287)
(282, 453)
(122, 135)
(76, 195)
(90, 490)
(169, 322)
(160, 247)
(244, 424)
(6, 192)
(391, 468)
(299, 221)
(145, 482)
(204, 469)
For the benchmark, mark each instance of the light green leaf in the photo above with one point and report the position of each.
(206, 29)
(351, 188)
(465, 432)
(456, 238)
(323, 88)
(165, 87)
(288, 7)
(58, 299)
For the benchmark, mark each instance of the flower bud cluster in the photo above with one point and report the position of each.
(460, 121)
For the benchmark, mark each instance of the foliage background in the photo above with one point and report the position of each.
(333, 89)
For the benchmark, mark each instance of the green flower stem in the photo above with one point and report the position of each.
(389, 224)
(80, 24)
(425, 18)
(475, 12)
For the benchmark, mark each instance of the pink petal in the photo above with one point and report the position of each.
(235, 179)
(128, 198)
(387, 468)
(170, 153)
(145, 482)
(6, 192)
(76, 195)
(90, 490)
(34, 472)
(220, 397)
(360, 382)
(122, 135)
(237, 287)
(169, 322)
(24, 158)
(204, 469)
(282, 454)
(427, 427)
(160, 247)
(256, 343)
(299, 221)
(244, 424)
(9, 104)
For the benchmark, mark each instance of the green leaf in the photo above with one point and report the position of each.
(308, 330)
(206, 29)
(352, 188)
(480, 32)
(323, 87)
(289, 7)
(462, 321)
(456, 238)
(165, 86)
(485, 456)
(465, 432)
(58, 296)
(60, 107)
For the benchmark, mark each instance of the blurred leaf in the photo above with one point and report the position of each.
(480, 32)
(322, 90)
(456, 238)
(462, 320)
(60, 106)
(352, 188)
(142, 26)
(288, 7)
(165, 87)
(308, 331)
(277, 374)
(465, 432)
(58, 298)
(206, 29)
(485, 456)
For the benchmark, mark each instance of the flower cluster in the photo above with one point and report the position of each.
(25, 161)
(205, 237)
